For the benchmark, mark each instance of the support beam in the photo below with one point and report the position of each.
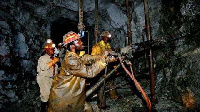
(151, 63)
(81, 26)
(129, 32)
(96, 21)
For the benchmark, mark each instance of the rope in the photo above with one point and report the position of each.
(137, 84)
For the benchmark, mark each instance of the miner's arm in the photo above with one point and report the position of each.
(76, 66)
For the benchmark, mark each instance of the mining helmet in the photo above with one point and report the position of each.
(60, 44)
(49, 44)
(70, 37)
(106, 34)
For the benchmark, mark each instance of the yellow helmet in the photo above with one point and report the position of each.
(106, 34)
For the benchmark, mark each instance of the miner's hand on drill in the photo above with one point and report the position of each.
(109, 58)
(112, 59)
(51, 63)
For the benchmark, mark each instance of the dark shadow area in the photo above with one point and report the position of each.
(60, 27)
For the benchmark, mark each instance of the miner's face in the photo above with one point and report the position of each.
(106, 39)
(79, 44)
(50, 51)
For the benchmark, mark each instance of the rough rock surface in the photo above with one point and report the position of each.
(26, 24)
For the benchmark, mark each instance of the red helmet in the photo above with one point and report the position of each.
(70, 37)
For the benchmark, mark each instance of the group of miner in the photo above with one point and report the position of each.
(63, 88)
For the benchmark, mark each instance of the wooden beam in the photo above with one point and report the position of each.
(96, 21)
(129, 32)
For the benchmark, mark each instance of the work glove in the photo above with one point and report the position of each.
(105, 54)
(51, 63)
(56, 52)
(110, 56)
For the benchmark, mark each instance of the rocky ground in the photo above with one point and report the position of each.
(126, 103)
(131, 101)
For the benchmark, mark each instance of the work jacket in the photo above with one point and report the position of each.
(68, 88)
(100, 48)
(45, 76)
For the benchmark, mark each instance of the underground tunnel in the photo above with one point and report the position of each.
(175, 49)
(62, 26)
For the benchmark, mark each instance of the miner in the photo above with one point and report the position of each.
(99, 49)
(68, 89)
(46, 69)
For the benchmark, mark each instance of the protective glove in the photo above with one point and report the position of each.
(105, 54)
(51, 63)
(56, 52)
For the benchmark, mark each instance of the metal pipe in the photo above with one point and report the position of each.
(149, 37)
(100, 82)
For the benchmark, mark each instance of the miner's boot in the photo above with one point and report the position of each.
(101, 100)
(44, 106)
(113, 92)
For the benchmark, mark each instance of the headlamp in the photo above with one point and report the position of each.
(82, 33)
(53, 45)
(109, 35)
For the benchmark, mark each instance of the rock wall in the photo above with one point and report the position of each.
(26, 24)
